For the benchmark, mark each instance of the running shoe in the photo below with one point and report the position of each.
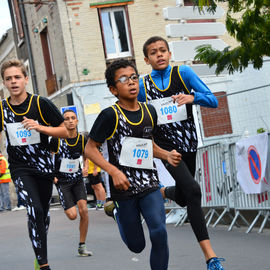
(36, 265)
(99, 206)
(91, 205)
(83, 252)
(214, 264)
(108, 208)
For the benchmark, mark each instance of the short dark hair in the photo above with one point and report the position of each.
(153, 40)
(69, 110)
(114, 66)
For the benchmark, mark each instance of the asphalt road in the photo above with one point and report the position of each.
(242, 251)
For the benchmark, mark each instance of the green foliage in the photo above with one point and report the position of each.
(252, 31)
(260, 130)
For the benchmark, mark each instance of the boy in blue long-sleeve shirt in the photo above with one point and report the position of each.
(165, 87)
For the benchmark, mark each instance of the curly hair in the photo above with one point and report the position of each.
(113, 67)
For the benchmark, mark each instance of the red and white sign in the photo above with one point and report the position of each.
(253, 172)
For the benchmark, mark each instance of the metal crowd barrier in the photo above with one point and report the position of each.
(242, 201)
(211, 178)
(216, 174)
(211, 175)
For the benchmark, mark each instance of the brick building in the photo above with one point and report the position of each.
(70, 43)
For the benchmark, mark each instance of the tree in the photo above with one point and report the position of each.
(252, 31)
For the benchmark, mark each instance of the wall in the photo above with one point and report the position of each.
(83, 41)
(7, 52)
(59, 60)
(76, 40)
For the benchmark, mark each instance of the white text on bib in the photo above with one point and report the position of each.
(69, 165)
(137, 153)
(168, 111)
(18, 135)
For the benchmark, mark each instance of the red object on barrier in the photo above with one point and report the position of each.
(206, 176)
(262, 197)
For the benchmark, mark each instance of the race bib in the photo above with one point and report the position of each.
(137, 153)
(18, 135)
(168, 111)
(69, 165)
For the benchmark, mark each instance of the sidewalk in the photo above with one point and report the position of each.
(242, 251)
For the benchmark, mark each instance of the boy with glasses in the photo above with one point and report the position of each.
(125, 130)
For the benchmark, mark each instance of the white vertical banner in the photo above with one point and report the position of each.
(164, 176)
(252, 157)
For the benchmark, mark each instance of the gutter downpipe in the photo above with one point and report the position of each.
(28, 45)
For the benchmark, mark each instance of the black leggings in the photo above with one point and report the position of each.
(36, 193)
(187, 192)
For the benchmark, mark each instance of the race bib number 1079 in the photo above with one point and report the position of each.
(137, 153)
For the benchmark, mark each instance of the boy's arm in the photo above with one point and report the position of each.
(85, 166)
(202, 95)
(95, 172)
(173, 157)
(92, 152)
(141, 96)
(56, 132)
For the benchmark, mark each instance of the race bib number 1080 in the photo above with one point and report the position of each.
(168, 111)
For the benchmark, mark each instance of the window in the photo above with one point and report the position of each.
(188, 2)
(115, 32)
(51, 82)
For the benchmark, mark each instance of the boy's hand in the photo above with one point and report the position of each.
(182, 99)
(120, 180)
(84, 172)
(31, 124)
(55, 180)
(174, 158)
(95, 172)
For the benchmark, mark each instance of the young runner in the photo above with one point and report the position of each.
(95, 181)
(165, 88)
(68, 176)
(28, 120)
(126, 128)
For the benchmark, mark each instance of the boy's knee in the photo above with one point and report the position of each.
(84, 212)
(137, 247)
(194, 192)
(38, 211)
(72, 216)
(159, 236)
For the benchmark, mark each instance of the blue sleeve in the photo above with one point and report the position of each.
(202, 94)
(141, 95)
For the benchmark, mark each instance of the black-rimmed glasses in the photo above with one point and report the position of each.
(125, 79)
